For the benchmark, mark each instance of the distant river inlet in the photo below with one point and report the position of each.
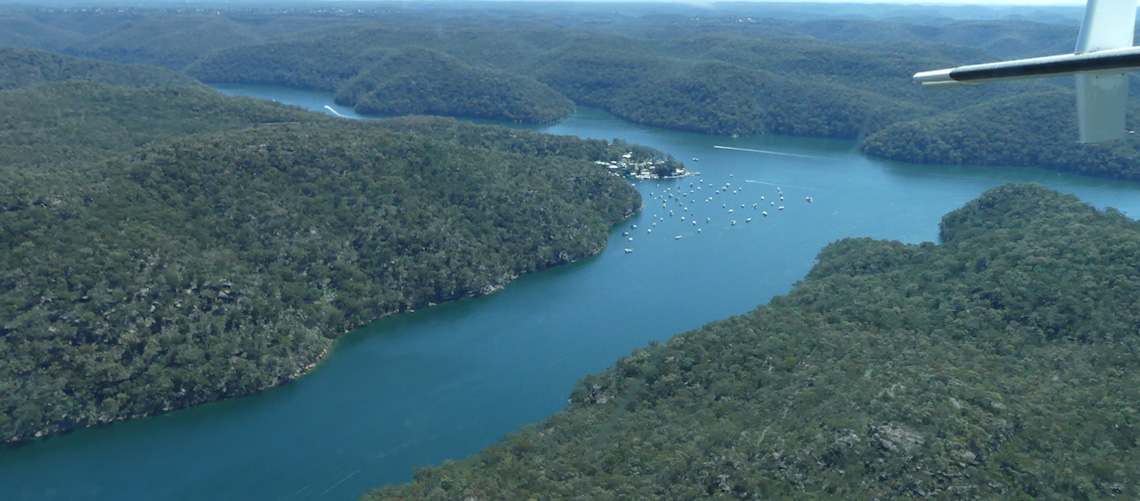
(444, 382)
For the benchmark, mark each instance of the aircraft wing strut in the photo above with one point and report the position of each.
(1103, 56)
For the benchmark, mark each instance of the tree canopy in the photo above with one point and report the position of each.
(739, 70)
(168, 246)
(999, 364)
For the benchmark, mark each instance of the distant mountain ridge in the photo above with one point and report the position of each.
(22, 67)
(718, 70)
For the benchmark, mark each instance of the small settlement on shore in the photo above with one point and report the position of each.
(651, 168)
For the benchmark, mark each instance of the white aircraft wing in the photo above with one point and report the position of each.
(1102, 96)
(1103, 56)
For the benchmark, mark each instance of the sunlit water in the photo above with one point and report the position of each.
(445, 382)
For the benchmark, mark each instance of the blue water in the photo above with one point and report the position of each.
(444, 382)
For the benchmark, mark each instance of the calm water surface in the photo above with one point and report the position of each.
(440, 383)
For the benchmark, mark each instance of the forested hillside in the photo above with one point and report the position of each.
(999, 364)
(1035, 129)
(20, 67)
(713, 74)
(212, 266)
(729, 70)
(170, 41)
(162, 245)
(712, 77)
(426, 82)
(65, 125)
(720, 83)
(166, 246)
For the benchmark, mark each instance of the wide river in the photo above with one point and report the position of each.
(444, 382)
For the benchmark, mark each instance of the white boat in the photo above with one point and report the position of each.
(678, 237)
(628, 250)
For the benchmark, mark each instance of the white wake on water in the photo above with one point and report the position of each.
(334, 112)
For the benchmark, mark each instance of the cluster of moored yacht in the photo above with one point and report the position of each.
(699, 195)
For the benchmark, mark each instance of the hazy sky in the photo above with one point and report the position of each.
(902, 2)
(946, 2)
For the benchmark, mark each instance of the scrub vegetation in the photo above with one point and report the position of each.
(999, 364)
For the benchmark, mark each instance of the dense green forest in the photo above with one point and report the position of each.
(20, 67)
(64, 125)
(1035, 129)
(166, 246)
(212, 266)
(999, 364)
(162, 245)
(718, 72)
(717, 83)
(419, 81)
(735, 69)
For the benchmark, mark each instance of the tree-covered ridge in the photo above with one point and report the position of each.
(1000, 364)
(170, 41)
(1036, 129)
(57, 139)
(21, 67)
(718, 71)
(705, 84)
(210, 266)
(69, 121)
(721, 73)
(1028, 32)
(419, 81)
(308, 62)
(718, 82)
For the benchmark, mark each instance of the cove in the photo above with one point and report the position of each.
(444, 382)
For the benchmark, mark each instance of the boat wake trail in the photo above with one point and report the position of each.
(785, 185)
(766, 152)
(334, 112)
(350, 475)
